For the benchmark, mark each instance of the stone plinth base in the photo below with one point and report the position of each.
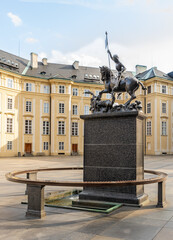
(113, 197)
(113, 151)
(35, 201)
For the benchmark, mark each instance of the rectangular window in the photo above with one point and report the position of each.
(108, 96)
(9, 125)
(74, 129)
(9, 103)
(61, 127)
(46, 127)
(75, 92)
(28, 126)
(148, 128)
(9, 145)
(97, 92)
(163, 107)
(10, 83)
(46, 89)
(46, 107)
(45, 146)
(85, 93)
(86, 109)
(61, 145)
(61, 89)
(28, 87)
(119, 97)
(61, 108)
(164, 129)
(163, 89)
(28, 106)
(148, 107)
(149, 89)
(74, 109)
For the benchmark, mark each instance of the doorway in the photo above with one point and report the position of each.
(28, 147)
(74, 148)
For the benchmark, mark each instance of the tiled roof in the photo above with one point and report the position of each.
(51, 70)
(153, 72)
(12, 62)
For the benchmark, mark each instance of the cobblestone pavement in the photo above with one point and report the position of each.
(129, 223)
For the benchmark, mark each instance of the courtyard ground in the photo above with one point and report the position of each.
(129, 223)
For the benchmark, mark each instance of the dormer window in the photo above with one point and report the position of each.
(43, 73)
(73, 76)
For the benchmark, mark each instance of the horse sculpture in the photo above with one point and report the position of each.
(127, 84)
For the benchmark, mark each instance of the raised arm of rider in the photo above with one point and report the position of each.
(108, 51)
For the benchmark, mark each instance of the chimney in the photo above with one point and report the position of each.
(76, 65)
(44, 61)
(140, 69)
(34, 60)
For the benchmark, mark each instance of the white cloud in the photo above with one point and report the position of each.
(16, 20)
(94, 54)
(31, 40)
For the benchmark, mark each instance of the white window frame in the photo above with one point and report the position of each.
(148, 107)
(9, 125)
(164, 128)
(9, 145)
(61, 89)
(28, 126)
(126, 96)
(86, 94)
(86, 109)
(74, 129)
(46, 89)
(108, 95)
(46, 127)
(149, 87)
(28, 106)
(61, 127)
(61, 107)
(119, 97)
(10, 83)
(75, 92)
(97, 92)
(9, 103)
(29, 87)
(164, 107)
(75, 109)
(46, 107)
(45, 146)
(149, 128)
(61, 146)
(164, 89)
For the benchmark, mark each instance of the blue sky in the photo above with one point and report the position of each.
(139, 31)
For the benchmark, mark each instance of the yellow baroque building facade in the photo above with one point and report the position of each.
(41, 104)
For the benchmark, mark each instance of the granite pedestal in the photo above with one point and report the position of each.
(113, 151)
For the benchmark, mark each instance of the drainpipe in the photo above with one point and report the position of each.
(145, 93)
(50, 120)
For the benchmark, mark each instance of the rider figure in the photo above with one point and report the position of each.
(118, 65)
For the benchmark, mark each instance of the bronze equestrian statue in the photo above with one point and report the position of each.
(127, 84)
